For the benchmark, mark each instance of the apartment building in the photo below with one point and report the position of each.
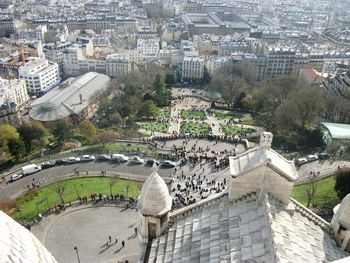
(13, 97)
(280, 61)
(40, 76)
(192, 68)
(117, 65)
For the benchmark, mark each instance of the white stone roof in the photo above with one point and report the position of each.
(342, 212)
(261, 155)
(154, 199)
(245, 231)
(17, 244)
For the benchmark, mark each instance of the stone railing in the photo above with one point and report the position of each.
(182, 212)
(311, 215)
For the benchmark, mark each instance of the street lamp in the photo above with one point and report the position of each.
(76, 250)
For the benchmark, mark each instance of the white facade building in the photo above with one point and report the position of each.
(40, 33)
(40, 76)
(14, 91)
(117, 65)
(192, 68)
(149, 49)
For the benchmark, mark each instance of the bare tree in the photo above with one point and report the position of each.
(112, 181)
(76, 190)
(310, 190)
(59, 188)
(105, 137)
(127, 187)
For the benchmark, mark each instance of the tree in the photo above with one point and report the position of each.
(342, 184)
(228, 86)
(16, 148)
(105, 137)
(112, 181)
(76, 190)
(63, 131)
(310, 190)
(7, 132)
(148, 109)
(87, 129)
(170, 79)
(32, 134)
(59, 188)
(127, 187)
(162, 93)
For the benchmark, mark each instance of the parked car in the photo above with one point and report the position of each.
(103, 157)
(168, 164)
(312, 158)
(150, 162)
(301, 161)
(60, 161)
(30, 169)
(47, 164)
(15, 177)
(73, 160)
(136, 160)
(323, 156)
(87, 158)
(119, 157)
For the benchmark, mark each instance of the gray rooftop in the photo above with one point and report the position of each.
(64, 100)
(245, 230)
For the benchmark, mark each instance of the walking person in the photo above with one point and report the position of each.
(123, 243)
(110, 239)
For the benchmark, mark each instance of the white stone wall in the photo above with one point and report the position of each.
(252, 181)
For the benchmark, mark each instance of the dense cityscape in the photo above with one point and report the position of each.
(174, 131)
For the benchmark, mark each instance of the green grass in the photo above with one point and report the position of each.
(248, 122)
(235, 130)
(155, 126)
(164, 113)
(193, 114)
(85, 187)
(118, 148)
(225, 115)
(194, 127)
(325, 193)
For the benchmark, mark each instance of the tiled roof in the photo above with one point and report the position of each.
(245, 230)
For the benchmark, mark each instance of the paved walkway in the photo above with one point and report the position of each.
(88, 227)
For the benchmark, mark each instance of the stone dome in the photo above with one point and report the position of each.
(342, 213)
(18, 244)
(154, 199)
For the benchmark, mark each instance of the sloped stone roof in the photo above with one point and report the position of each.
(245, 231)
(17, 244)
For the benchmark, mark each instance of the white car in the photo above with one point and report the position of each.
(73, 160)
(137, 160)
(312, 158)
(119, 157)
(15, 177)
(301, 161)
(87, 158)
(168, 163)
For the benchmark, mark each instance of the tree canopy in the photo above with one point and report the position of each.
(342, 184)
(162, 95)
(87, 129)
(7, 132)
(148, 109)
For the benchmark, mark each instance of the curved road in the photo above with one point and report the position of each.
(54, 173)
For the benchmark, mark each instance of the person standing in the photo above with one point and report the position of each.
(110, 239)
(123, 243)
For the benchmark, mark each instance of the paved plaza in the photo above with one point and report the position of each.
(88, 228)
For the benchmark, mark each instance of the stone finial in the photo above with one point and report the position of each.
(266, 139)
(341, 223)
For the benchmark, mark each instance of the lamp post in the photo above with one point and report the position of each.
(76, 250)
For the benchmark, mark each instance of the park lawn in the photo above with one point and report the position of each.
(325, 192)
(248, 122)
(118, 148)
(85, 186)
(164, 113)
(225, 115)
(193, 114)
(235, 130)
(155, 126)
(195, 127)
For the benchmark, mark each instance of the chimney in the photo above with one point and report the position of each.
(81, 98)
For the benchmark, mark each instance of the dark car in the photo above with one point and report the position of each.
(47, 164)
(150, 162)
(60, 161)
(323, 156)
(103, 157)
